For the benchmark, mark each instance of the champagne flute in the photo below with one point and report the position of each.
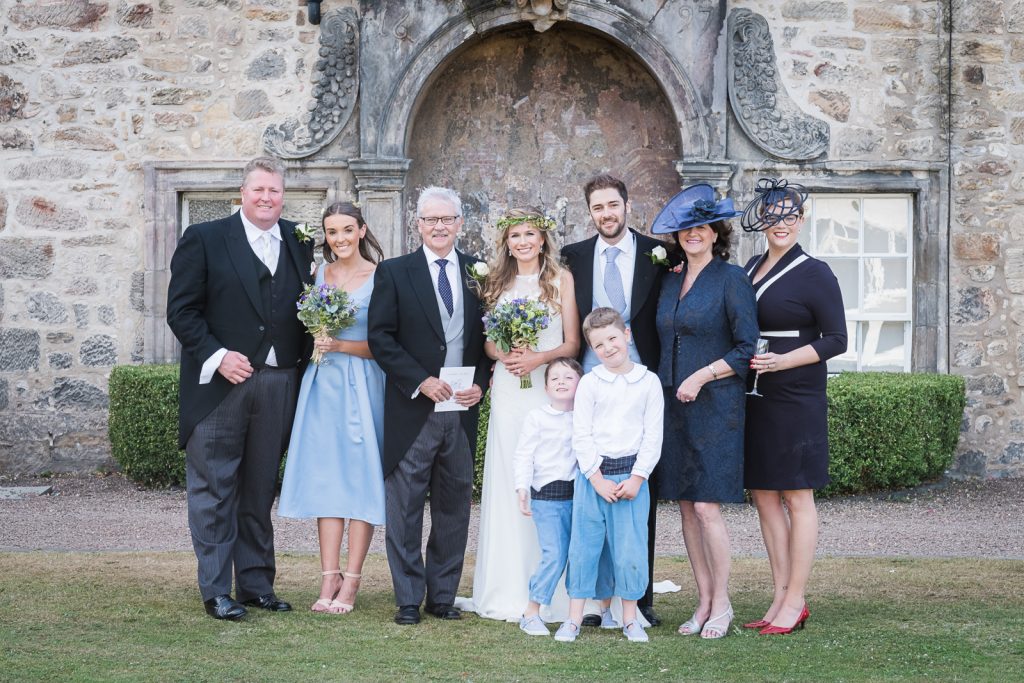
(762, 347)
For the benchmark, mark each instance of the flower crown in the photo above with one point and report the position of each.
(541, 222)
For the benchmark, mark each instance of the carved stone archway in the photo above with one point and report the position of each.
(386, 116)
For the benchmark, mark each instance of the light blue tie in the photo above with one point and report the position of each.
(613, 280)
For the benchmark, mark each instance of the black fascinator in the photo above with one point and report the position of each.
(787, 199)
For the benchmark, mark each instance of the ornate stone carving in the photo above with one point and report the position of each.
(759, 99)
(543, 14)
(336, 85)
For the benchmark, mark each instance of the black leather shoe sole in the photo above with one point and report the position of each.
(272, 604)
(407, 616)
(445, 612)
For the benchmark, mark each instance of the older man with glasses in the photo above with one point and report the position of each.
(424, 316)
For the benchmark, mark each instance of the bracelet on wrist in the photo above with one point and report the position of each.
(714, 373)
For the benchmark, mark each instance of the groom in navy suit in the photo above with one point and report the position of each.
(614, 268)
(423, 316)
(231, 304)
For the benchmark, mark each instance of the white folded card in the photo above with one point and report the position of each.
(459, 379)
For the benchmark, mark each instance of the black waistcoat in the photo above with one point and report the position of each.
(278, 292)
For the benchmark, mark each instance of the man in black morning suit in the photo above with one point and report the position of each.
(614, 268)
(231, 304)
(423, 316)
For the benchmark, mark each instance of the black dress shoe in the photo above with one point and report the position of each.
(591, 620)
(445, 612)
(224, 607)
(271, 602)
(407, 615)
(649, 615)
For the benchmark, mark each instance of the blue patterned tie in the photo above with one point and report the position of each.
(444, 288)
(613, 280)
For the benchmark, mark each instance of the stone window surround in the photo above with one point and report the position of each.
(165, 182)
(927, 183)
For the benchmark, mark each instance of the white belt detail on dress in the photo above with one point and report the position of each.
(781, 333)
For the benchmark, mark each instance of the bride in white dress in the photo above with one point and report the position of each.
(526, 265)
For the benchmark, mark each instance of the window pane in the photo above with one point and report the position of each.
(885, 285)
(846, 272)
(886, 224)
(885, 345)
(848, 359)
(203, 210)
(837, 225)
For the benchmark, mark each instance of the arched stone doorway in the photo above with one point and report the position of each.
(519, 117)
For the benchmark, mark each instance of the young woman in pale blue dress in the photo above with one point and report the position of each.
(333, 472)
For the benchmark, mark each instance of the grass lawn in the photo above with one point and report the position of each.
(137, 617)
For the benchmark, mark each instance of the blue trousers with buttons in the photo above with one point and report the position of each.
(606, 534)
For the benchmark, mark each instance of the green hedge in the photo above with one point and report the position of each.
(891, 430)
(144, 423)
(886, 430)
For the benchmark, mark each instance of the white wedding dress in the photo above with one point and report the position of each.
(507, 548)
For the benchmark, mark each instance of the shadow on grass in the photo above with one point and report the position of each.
(138, 617)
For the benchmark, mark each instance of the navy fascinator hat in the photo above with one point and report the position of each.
(695, 205)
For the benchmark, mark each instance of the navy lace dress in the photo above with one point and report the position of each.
(702, 455)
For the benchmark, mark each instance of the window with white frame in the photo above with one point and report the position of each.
(866, 240)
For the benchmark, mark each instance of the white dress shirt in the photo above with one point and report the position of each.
(544, 453)
(253, 234)
(625, 260)
(618, 415)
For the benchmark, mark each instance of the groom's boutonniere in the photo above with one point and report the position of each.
(304, 233)
(478, 271)
(659, 256)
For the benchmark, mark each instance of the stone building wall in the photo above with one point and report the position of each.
(93, 93)
(89, 91)
(987, 227)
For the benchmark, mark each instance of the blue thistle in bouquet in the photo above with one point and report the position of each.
(517, 324)
(325, 310)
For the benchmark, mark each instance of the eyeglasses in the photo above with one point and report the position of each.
(789, 220)
(431, 221)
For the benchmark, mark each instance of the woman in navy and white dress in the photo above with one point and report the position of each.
(333, 472)
(800, 312)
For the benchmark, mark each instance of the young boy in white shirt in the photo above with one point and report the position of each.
(617, 434)
(545, 473)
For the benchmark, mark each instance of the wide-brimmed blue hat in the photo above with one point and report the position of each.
(695, 205)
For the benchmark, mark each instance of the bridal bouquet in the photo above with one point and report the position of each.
(325, 310)
(516, 323)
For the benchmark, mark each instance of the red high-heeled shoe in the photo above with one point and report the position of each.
(782, 630)
(760, 623)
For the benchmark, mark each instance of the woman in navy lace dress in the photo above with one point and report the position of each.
(707, 324)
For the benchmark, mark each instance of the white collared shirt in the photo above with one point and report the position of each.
(544, 453)
(252, 233)
(451, 270)
(618, 415)
(626, 261)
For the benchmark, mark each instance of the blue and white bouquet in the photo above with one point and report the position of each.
(325, 310)
(517, 324)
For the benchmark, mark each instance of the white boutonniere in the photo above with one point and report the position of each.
(659, 256)
(304, 233)
(478, 271)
